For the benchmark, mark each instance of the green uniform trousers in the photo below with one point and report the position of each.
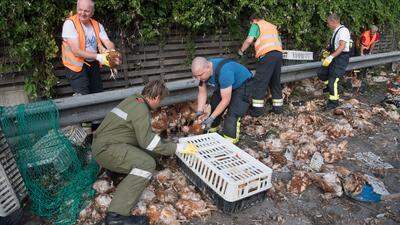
(137, 164)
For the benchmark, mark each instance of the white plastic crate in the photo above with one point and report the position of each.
(297, 55)
(7, 161)
(226, 169)
(76, 134)
(8, 200)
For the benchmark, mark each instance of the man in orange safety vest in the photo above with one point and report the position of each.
(369, 39)
(84, 41)
(268, 52)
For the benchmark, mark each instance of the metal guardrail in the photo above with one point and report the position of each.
(92, 107)
(95, 106)
(308, 70)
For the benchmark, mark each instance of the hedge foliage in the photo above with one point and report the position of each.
(31, 29)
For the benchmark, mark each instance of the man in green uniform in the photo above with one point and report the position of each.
(122, 144)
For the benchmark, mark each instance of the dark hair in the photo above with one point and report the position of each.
(154, 89)
(255, 15)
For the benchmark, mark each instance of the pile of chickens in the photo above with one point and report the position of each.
(169, 199)
(178, 120)
(309, 141)
(306, 141)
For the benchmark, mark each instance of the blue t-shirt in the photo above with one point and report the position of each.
(232, 74)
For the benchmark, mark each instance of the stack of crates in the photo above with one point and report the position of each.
(233, 179)
(12, 188)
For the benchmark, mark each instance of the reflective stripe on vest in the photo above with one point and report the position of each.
(368, 40)
(266, 36)
(71, 61)
(268, 40)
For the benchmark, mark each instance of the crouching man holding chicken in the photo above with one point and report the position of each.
(124, 143)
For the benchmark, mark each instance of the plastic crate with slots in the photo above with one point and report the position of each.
(8, 199)
(12, 188)
(233, 179)
(297, 55)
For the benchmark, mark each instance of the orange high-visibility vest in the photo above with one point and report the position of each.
(268, 40)
(368, 41)
(71, 61)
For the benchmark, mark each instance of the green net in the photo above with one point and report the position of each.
(58, 174)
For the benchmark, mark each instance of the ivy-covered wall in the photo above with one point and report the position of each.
(31, 29)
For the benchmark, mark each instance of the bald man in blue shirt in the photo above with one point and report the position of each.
(231, 92)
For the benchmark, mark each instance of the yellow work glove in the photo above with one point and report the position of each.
(186, 148)
(327, 61)
(103, 59)
(325, 54)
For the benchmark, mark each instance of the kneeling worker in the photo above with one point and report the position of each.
(229, 79)
(122, 144)
(368, 40)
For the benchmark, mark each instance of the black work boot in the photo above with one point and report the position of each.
(331, 104)
(349, 85)
(340, 89)
(117, 219)
(363, 87)
(277, 110)
(256, 111)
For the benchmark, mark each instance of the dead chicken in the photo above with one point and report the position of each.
(114, 58)
(333, 153)
(159, 121)
(299, 182)
(353, 183)
(329, 182)
(103, 186)
(168, 216)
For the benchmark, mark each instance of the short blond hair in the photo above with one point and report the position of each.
(154, 89)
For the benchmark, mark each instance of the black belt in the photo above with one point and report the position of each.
(261, 58)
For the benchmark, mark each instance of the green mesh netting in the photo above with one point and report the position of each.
(57, 174)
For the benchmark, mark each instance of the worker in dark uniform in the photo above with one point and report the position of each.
(230, 80)
(334, 66)
(122, 144)
(268, 52)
